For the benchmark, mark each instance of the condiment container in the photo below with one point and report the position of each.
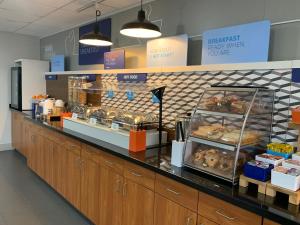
(296, 115)
(258, 170)
(177, 153)
(271, 159)
(137, 140)
(291, 163)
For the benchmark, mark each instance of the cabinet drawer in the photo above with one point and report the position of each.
(91, 153)
(224, 213)
(182, 194)
(112, 163)
(139, 175)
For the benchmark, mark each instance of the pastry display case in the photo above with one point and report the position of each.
(229, 126)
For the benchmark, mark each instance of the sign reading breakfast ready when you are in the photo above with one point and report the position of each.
(169, 51)
(237, 44)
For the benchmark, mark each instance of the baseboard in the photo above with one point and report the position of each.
(5, 147)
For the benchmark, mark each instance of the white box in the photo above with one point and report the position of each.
(287, 164)
(285, 180)
(275, 160)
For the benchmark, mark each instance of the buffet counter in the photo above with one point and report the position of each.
(194, 198)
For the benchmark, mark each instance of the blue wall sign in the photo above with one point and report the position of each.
(89, 55)
(114, 59)
(296, 75)
(132, 77)
(237, 44)
(57, 63)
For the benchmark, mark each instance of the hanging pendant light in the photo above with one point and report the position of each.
(141, 28)
(95, 38)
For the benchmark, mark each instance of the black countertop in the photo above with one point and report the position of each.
(158, 160)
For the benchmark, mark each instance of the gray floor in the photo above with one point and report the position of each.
(26, 200)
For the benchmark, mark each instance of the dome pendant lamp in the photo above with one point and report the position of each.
(141, 28)
(95, 38)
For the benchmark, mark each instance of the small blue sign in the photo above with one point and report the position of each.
(237, 44)
(114, 59)
(91, 77)
(51, 77)
(58, 63)
(296, 75)
(155, 99)
(89, 55)
(110, 94)
(132, 77)
(130, 95)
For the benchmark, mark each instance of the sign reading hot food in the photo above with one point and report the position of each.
(237, 44)
(89, 55)
(132, 77)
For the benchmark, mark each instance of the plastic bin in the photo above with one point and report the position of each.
(258, 173)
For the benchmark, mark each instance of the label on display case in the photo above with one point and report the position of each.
(93, 121)
(74, 116)
(237, 44)
(115, 126)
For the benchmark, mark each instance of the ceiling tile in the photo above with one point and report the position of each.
(120, 4)
(10, 26)
(46, 17)
(12, 15)
(28, 7)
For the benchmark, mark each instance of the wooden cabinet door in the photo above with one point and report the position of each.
(270, 222)
(25, 138)
(138, 204)
(59, 168)
(33, 151)
(47, 160)
(17, 131)
(73, 178)
(37, 154)
(204, 221)
(169, 212)
(14, 134)
(90, 190)
(111, 191)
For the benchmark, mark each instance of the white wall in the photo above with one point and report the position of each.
(12, 47)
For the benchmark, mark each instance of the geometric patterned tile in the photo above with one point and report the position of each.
(184, 90)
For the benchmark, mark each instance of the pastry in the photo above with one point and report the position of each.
(226, 163)
(199, 157)
(231, 137)
(212, 103)
(239, 107)
(212, 158)
(204, 131)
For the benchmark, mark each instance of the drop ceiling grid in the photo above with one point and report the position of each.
(45, 17)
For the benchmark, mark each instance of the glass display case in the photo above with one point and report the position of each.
(228, 127)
